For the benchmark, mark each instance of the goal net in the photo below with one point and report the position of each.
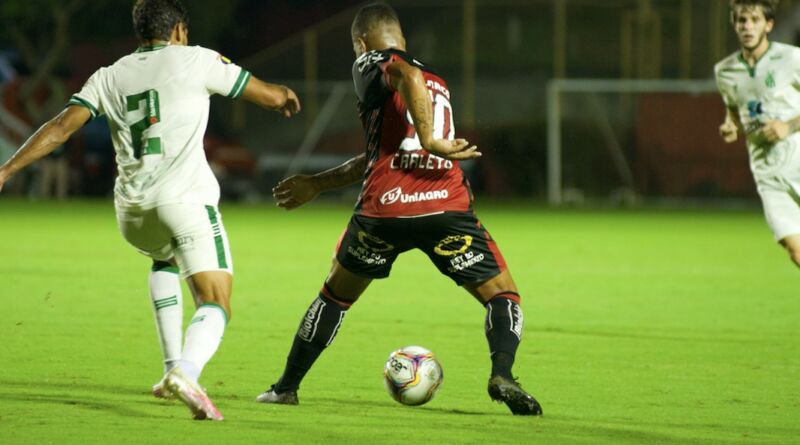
(640, 140)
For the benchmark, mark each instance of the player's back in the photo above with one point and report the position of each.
(403, 179)
(157, 103)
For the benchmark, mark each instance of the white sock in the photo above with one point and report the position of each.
(165, 291)
(203, 337)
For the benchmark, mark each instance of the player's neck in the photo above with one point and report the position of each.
(752, 56)
(388, 40)
(154, 43)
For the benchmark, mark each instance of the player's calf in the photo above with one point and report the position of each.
(503, 328)
(316, 332)
(792, 245)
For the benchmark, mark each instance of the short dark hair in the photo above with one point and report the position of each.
(155, 19)
(371, 15)
(768, 6)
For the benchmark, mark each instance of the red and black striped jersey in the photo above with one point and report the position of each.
(402, 178)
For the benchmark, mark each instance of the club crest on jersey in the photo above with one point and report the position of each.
(770, 81)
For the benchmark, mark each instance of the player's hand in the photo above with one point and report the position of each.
(774, 131)
(729, 131)
(458, 149)
(295, 191)
(292, 105)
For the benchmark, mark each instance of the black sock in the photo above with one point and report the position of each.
(317, 330)
(503, 331)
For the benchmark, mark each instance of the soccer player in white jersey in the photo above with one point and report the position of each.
(157, 103)
(760, 85)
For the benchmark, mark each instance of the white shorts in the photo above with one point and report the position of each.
(781, 202)
(192, 234)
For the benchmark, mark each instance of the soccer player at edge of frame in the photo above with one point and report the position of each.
(414, 195)
(166, 197)
(760, 85)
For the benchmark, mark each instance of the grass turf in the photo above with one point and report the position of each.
(642, 327)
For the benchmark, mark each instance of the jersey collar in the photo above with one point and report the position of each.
(144, 49)
(752, 69)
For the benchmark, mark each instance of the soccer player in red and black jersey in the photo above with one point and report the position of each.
(414, 195)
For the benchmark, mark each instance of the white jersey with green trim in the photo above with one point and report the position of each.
(769, 90)
(157, 104)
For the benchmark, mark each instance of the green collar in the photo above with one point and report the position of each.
(144, 49)
(752, 69)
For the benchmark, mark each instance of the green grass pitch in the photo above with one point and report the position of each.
(642, 327)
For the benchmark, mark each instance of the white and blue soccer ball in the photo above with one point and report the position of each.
(412, 375)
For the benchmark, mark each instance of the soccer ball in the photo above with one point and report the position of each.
(412, 375)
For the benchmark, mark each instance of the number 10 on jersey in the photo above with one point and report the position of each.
(442, 123)
(152, 116)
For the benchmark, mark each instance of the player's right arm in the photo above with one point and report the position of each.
(46, 139)
(410, 83)
(297, 190)
(273, 97)
(729, 130)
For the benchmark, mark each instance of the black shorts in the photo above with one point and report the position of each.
(456, 242)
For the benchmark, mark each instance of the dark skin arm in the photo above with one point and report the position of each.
(410, 83)
(297, 190)
(46, 139)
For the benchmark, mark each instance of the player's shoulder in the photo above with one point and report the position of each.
(731, 61)
(377, 58)
(370, 60)
(785, 51)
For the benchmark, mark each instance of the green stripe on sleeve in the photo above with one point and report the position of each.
(241, 83)
(75, 100)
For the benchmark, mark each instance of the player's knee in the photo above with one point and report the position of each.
(510, 295)
(343, 302)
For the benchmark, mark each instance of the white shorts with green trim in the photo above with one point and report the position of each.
(781, 202)
(192, 234)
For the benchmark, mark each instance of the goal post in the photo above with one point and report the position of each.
(591, 109)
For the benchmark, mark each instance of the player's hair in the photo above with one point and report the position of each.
(768, 6)
(370, 16)
(155, 19)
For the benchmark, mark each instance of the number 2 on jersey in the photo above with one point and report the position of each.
(152, 115)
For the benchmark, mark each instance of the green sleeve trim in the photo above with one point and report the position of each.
(224, 314)
(241, 82)
(75, 100)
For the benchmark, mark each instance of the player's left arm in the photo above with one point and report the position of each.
(776, 130)
(410, 83)
(271, 96)
(46, 139)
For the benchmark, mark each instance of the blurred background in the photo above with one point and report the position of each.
(573, 102)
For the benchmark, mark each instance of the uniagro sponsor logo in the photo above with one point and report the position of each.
(391, 196)
(396, 194)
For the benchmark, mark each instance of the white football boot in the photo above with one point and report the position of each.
(191, 394)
